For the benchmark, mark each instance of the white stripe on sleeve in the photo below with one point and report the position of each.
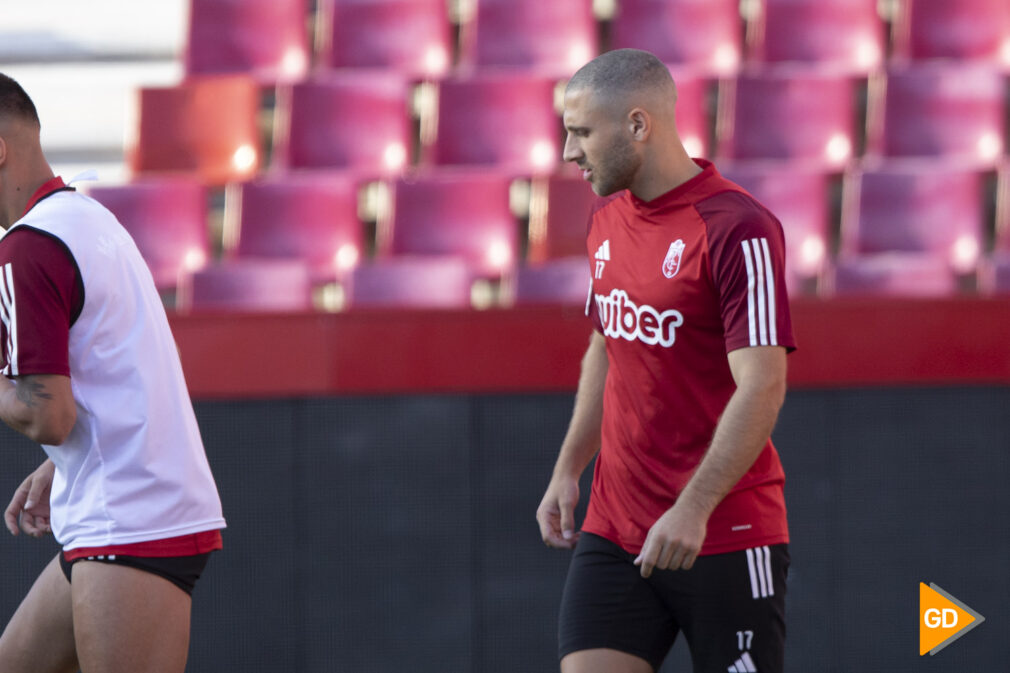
(770, 282)
(5, 317)
(11, 318)
(762, 315)
(751, 284)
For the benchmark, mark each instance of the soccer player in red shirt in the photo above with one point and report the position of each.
(680, 388)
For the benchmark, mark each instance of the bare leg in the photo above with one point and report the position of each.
(604, 661)
(40, 636)
(129, 621)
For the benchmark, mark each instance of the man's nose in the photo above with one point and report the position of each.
(572, 150)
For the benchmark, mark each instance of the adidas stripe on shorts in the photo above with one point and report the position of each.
(730, 607)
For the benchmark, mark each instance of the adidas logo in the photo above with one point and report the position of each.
(602, 257)
(743, 665)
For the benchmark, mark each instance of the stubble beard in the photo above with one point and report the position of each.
(617, 170)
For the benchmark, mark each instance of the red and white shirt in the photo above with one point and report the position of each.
(677, 283)
(77, 299)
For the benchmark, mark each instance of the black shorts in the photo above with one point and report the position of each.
(182, 571)
(730, 607)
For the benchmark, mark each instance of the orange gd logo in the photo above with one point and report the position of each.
(942, 619)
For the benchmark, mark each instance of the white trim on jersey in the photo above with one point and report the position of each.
(761, 314)
(589, 296)
(759, 563)
(8, 311)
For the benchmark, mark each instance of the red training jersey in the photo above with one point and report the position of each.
(678, 282)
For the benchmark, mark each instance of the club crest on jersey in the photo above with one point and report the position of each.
(671, 265)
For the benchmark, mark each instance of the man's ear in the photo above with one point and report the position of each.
(3, 151)
(639, 124)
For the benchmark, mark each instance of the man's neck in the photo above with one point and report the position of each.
(21, 194)
(660, 180)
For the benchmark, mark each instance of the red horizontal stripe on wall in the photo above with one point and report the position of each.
(846, 342)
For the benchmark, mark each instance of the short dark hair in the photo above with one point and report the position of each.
(621, 72)
(14, 102)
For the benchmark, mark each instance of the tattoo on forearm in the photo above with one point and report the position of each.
(30, 392)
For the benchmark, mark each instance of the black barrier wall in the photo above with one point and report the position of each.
(395, 534)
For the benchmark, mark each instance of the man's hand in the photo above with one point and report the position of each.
(556, 514)
(31, 502)
(674, 541)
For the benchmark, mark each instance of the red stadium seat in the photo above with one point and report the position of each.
(247, 285)
(894, 274)
(557, 37)
(312, 217)
(909, 229)
(265, 38)
(559, 281)
(961, 29)
(560, 206)
(693, 118)
(848, 34)
(206, 126)
(1002, 242)
(453, 213)
(788, 113)
(952, 110)
(415, 282)
(346, 120)
(994, 270)
(923, 207)
(410, 36)
(994, 274)
(701, 33)
(800, 198)
(506, 120)
(167, 218)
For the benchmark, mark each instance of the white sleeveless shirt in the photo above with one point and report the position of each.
(133, 468)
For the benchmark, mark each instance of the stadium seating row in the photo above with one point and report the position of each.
(364, 120)
(908, 227)
(275, 40)
(387, 99)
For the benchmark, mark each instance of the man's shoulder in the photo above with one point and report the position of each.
(27, 241)
(730, 212)
(728, 202)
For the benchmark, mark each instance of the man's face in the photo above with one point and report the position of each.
(599, 141)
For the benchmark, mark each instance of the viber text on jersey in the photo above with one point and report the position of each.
(622, 318)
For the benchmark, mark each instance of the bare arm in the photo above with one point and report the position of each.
(556, 512)
(39, 406)
(676, 538)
